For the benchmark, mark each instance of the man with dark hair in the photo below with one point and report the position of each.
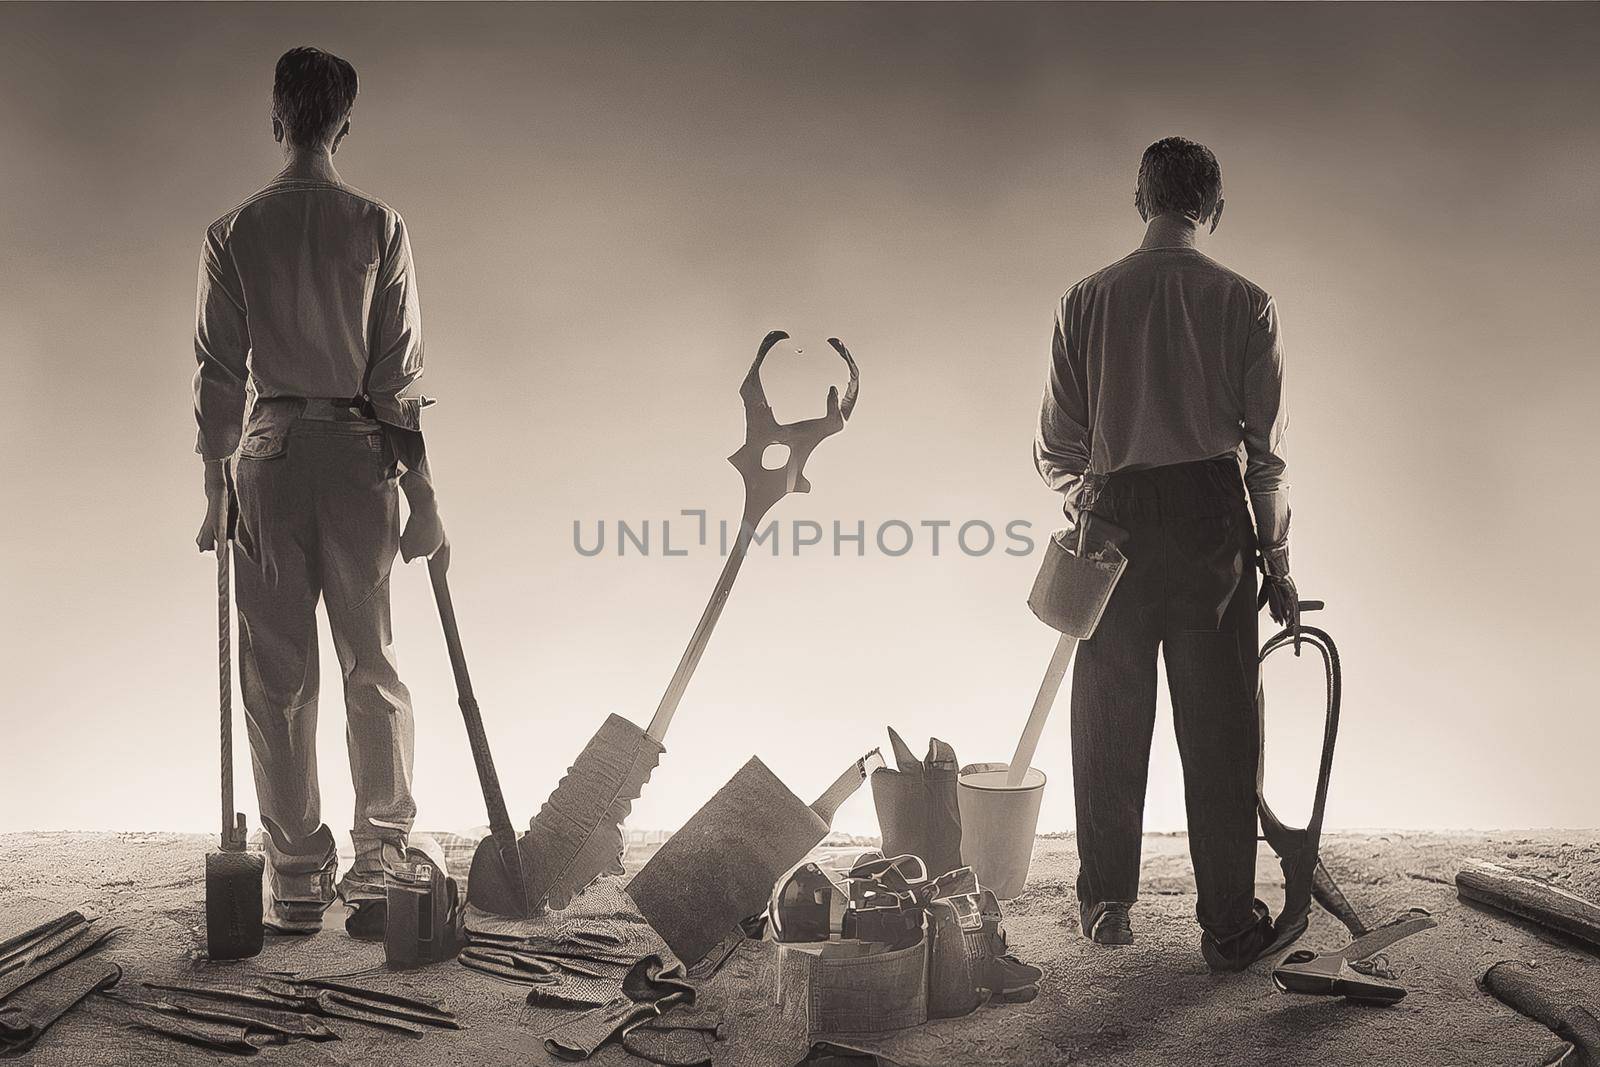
(308, 322)
(1166, 376)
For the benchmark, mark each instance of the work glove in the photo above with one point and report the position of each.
(1278, 591)
(423, 535)
(219, 501)
(424, 531)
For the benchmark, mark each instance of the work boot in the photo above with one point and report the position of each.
(363, 892)
(1106, 923)
(1238, 951)
(1011, 980)
(294, 903)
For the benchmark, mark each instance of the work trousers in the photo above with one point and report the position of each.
(1189, 590)
(319, 518)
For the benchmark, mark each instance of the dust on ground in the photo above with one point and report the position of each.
(1151, 1003)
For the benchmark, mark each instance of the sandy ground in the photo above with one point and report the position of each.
(1151, 1003)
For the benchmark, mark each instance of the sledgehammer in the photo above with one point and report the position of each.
(233, 875)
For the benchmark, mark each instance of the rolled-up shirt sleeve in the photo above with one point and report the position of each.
(1266, 418)
(395, 333)
(1061, 446)
(222, 349)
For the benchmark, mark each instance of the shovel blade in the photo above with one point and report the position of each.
(233, 904)
(496, 885)
(720, 868)
(577, 836)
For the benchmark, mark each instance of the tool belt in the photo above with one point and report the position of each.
(896, 948)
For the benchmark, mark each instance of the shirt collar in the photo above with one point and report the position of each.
(1170, 231)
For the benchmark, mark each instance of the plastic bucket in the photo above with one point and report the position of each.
(998, 824)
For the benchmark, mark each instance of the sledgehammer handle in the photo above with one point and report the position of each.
(225, 671)
(1060, 661)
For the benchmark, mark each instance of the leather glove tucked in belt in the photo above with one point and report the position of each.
(1278, 591)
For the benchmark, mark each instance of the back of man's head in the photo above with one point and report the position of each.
(1178, 176)
(312, 92)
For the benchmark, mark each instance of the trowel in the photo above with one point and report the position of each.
(577, 835)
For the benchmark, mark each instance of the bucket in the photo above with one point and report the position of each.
(998, 824)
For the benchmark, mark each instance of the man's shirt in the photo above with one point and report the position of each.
(1166, 356)
(306, 290)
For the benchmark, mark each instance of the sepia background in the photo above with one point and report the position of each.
(610, 205)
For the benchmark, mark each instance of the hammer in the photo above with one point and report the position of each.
(233, 875)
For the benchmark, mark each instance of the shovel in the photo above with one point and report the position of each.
(233, 875)
(577, 835)
(497, 872)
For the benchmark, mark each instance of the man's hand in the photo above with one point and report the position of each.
(1283, 603)
(219, 499)
(423, 535)
(1278, 590)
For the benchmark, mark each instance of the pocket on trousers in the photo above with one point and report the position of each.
(267, 444)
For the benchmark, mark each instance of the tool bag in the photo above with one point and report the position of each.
(917, 807)
(911, 949)
(423, 915)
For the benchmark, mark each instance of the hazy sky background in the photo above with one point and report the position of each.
(610, 205)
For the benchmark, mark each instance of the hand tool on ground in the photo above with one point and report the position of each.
(386, 1010)
(720, 867)
(271, 1020)
(340, 1005)
(1305, 876)
(1530, 898)
(24, 1020)
(45, 940)
(220, 1037)
(650, 987)
(1340, 973)
(577, 834)
(55, 952)
(19, 947)
(233, 875)
(1516, 986)
(498, 880)
(414, 1001)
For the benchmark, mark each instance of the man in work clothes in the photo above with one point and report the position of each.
(1166, 370)
(308, 303)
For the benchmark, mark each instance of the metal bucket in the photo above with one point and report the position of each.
(998, 823)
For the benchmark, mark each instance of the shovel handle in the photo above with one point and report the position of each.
(702, 635)
(493, 798)
(1060, 661)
